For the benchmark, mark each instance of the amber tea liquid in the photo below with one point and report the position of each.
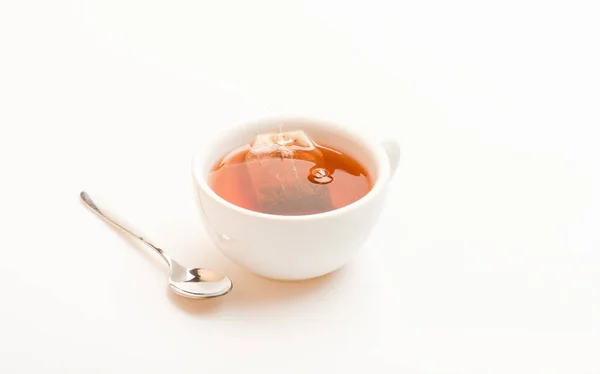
(306, 183)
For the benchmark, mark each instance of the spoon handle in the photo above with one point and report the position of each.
(120, 223)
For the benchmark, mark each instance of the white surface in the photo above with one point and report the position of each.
(487, 257)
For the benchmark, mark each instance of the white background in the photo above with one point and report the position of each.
(487, 257)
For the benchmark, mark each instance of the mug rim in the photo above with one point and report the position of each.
(381, 163)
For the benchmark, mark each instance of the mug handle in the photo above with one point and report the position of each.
(392, 150)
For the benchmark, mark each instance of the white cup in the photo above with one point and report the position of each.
(294, 247)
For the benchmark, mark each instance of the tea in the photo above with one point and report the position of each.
(287, 173)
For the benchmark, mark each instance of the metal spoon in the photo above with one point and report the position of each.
(195, 283)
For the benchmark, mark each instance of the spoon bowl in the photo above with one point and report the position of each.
(197, 283)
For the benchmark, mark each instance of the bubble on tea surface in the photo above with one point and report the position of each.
(320, 176)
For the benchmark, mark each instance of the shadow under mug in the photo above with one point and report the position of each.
(294, 247)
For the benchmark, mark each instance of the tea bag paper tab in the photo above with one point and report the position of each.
(282, 143)
(279, 165)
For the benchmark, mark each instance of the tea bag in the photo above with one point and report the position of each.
(281, 167)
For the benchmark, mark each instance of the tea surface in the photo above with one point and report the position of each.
(307, 182)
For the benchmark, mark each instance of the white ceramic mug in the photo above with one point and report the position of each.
(294, 247)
